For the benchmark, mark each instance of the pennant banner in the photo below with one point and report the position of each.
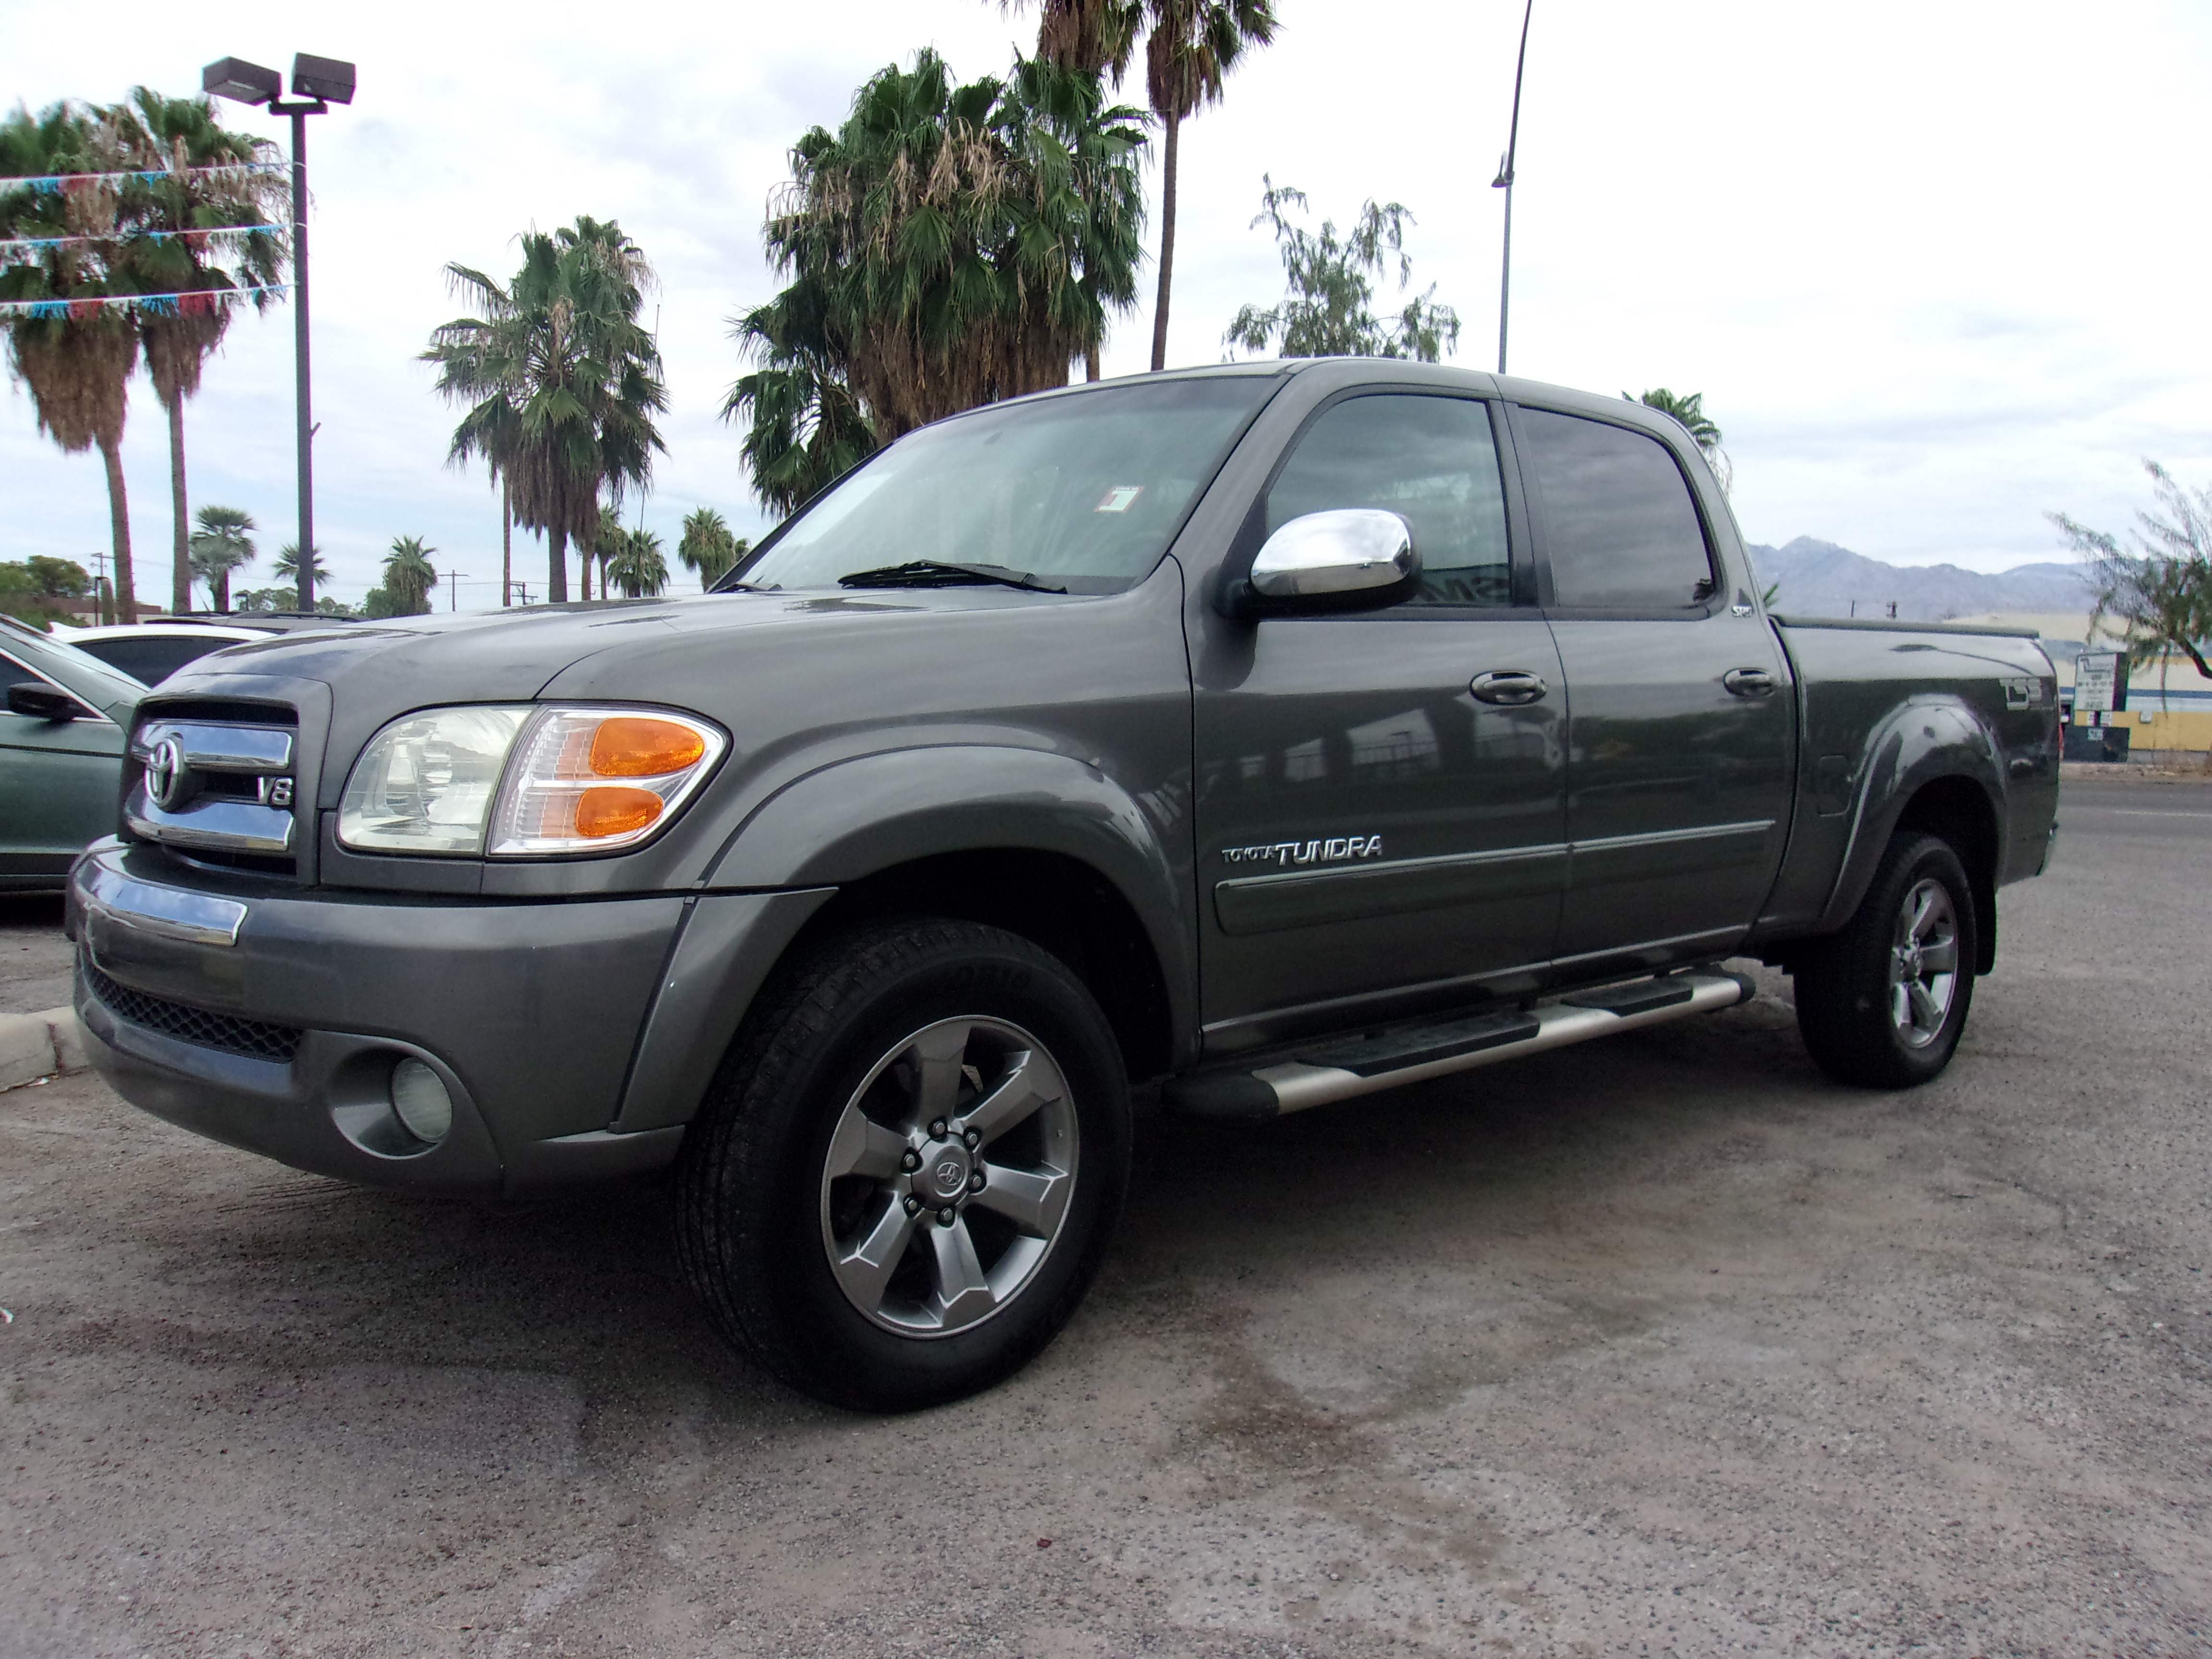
(51, 184)
(193, 238)
(197, 303)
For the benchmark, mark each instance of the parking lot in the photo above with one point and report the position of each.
(1667, 1346)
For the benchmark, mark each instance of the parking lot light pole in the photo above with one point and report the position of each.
(317, 83)
(1504, 181)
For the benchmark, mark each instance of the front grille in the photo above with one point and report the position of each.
(235, 765)
(256, 1039)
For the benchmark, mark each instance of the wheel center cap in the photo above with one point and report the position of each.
(943, 1177)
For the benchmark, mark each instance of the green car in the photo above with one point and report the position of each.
(61, 754)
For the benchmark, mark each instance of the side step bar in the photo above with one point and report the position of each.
(1344, 1068)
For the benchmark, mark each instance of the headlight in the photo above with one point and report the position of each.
(425, 784)
(575, 779)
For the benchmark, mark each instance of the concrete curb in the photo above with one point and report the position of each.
(32, 1046)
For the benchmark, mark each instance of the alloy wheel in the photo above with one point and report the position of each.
(948, 1176)
(1924, 963)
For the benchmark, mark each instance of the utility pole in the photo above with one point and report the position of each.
(453, 592)
(1504, 181)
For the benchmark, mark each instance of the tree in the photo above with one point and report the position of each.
(222, 542)
(639, 568)
(707, 546)
(1193, 45)
(76, 358)
(409, 576)
(950, 246)
(176, 135)
(2161, 591)
(606, 542)
(288, 570)
(1689, 410)
(1328, 310)
(562, 380)
(1095, 38)
(41, 588)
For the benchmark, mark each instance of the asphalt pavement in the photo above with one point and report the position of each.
(1666, 1344)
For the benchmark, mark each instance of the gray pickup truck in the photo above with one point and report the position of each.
(1263, 736)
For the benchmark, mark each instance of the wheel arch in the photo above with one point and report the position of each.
(1035, 841)
(1935, 767)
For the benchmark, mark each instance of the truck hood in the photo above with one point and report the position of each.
(769, 660)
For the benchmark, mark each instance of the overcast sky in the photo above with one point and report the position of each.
(1935, 267)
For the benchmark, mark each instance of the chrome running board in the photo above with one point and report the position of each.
(1343, 1068)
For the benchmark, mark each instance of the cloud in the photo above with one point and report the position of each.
(1924, 264)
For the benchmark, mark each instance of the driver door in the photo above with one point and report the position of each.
(1373, 835)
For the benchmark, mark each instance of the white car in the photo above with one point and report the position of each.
(151, 651)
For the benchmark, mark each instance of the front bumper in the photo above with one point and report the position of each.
(271, 1020)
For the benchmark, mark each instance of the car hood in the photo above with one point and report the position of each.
(728, 656)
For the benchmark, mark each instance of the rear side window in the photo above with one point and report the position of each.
(1430, 460)
(1619, 522)
(152, 658)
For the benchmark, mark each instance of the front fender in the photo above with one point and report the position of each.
(1928, 736)
(855, 817)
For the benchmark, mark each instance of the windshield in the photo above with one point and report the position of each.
(1084, 491)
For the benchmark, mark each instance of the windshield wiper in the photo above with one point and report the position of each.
(941, 573)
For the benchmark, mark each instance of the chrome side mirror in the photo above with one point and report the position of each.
(1348, 558)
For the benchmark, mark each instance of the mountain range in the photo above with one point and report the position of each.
(1819, 579)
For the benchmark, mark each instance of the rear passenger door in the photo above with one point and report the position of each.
(1370, 831)
(1680, 729)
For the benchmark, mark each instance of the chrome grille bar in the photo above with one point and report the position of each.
(211, 748)
(234, 826)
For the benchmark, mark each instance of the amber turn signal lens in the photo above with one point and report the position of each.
(612, 810)
(635, 746)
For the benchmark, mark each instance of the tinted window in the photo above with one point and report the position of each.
(1618, 523)
(1430, 460)
(152, 658)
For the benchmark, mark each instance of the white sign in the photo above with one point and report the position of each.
(2096, 679)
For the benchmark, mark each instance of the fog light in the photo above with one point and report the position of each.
(419, 1097)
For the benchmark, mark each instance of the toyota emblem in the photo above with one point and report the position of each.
(165, 773)
(951, 1174)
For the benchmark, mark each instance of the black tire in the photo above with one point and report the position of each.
(1861, 1021)
(758, 1213)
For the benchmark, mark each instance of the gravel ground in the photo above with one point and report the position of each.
(1665, 1345)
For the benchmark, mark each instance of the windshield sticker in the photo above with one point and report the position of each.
(1283, 853)
(1120, 499)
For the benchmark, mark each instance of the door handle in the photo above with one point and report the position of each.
(1512, 687)
(1749, 682)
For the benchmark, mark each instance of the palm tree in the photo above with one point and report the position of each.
(562, 380)
(222, 542)
(606, 542)
(1689, 409)
(288, 567)
(77, 360)
(409, 576)
(707, 546)
(951, 245)
(1193, 45)
(177, 134)
(1095, 38)
(638, 567)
